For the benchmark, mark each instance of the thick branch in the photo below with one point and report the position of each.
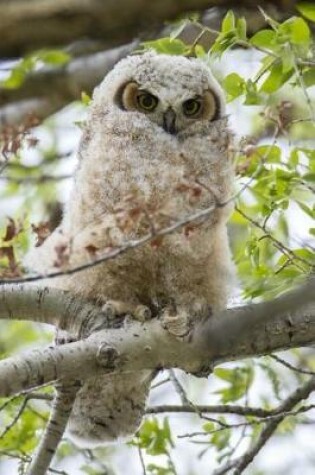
(257, 329)
(35, 24)
(45, 305)
(46, 91)
(231, 335)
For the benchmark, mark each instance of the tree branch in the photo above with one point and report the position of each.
(214, 409)
(54, 430)
(46, 305)
(240, 464)
(54, 23)
(251, 330)
(46, 91)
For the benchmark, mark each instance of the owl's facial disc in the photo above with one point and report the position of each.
(171, 116)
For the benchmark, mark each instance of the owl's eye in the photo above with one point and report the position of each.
(192, 107)
(146, 101)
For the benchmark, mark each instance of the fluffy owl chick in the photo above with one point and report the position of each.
(155, 149)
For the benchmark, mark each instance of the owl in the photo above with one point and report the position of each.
(155, 149)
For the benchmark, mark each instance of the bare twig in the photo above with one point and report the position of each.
(271, 417)
(292, 367)
(155, 233)
(144, 472)
(216, 409)
(240, 464)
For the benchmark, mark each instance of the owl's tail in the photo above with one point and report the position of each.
(109, 407)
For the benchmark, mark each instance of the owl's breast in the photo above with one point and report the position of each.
(137, 165)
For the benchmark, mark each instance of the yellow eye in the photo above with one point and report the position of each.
(192, 107)
(146, 101)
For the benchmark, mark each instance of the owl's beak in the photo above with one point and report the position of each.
(169, 119)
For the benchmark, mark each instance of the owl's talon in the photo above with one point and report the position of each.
(114, 308)
(177, 325)
(142, 313)
(110, 310)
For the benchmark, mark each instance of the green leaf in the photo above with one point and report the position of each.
(270, 153)
(309, 177)
(15, 79)
(234, 86)
(153, 437)
(224, 373)
(208, 426)
(307, 9)
(200, 52)
(241, 28)
(309, 77)
(252, 97)
(30, 62)
(276, 78)
(85, 98)
(54, 57)
(307, 210)
(240, 379)
(288, 58)
(264, 39)
(296, 30)
(228, 22)
(167, 46)
(221, 439)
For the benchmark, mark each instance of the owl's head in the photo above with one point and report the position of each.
(174, 92)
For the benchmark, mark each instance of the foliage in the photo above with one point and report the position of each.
(275, 168)
(31, 62)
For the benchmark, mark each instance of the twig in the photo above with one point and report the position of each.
(240, 464)
(272, 417)
(160, 383)
(204, 214)
(268, 235)
(199, 215)
(179, 389)
(185, 401)
(292, 367)
(217, 409)
(15, 418)
(142, 461)
(302, 84)
(33, 179)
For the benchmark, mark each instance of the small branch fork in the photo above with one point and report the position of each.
(237, 466)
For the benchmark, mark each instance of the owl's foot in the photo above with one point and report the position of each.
(177, 325)
(114, 308)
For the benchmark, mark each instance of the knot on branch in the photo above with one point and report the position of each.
(107, 356)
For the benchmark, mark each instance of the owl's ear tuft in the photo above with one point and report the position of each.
(125, 97)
